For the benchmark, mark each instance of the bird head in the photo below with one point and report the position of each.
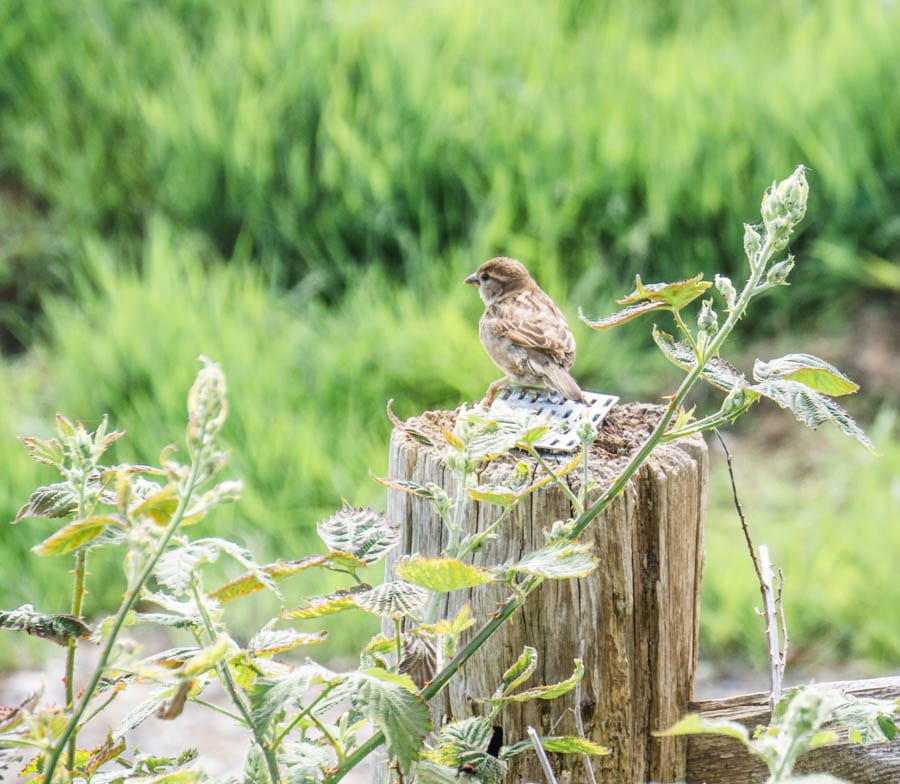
(498, 278)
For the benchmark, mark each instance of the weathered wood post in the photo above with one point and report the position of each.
(636, 616)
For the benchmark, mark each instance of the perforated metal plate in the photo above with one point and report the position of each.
(564, 415)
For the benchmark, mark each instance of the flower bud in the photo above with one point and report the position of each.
(726, 289)
(752, 239)
(735, 401)
(207, 405)
(785, 202)
(779, 272)
(707, 318)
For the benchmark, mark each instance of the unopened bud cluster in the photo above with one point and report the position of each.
(207, 405)
(726, 288)
(779, 272)
(784, 204)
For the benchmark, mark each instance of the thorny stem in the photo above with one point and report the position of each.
(78, 592)
(232, 689)
(125, 608)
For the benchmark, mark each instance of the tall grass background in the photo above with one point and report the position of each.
(296, 189)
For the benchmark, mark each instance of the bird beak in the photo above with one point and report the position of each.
(472, 280)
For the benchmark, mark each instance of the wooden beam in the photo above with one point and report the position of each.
(714, 759)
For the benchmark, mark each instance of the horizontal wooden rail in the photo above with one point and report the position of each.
(715, 759)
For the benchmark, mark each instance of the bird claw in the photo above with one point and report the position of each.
(493, 390)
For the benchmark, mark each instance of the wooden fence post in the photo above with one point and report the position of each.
(636, 615)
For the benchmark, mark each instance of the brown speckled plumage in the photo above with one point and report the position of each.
(522, 330)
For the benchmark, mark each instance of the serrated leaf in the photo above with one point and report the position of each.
(395, 599)
(492, 494)
(159, 506)
(561, 744)
(558, 560)
(428, 772)
(250, 582)
(441, 574)
(548, 692)
(518, 673)
(49, 452)
(177, 566)
(54, 627)
(404, 485)
(270, 695)
(810, 408)
(717, 371)
(328, 604)
(56, 500)
(363, 533)
(268, 642)
(303, 760)
(390, 702)
(676, 295)
(11, 717)
(76, 535)
(621, 316)
(808, 370)
(695, 724)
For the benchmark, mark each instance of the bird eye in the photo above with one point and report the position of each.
(484, 276)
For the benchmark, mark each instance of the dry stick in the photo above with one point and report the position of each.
(776, 663)
(579, 723)
(773, 606)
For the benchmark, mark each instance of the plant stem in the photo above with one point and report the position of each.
(125, 608)
(232, 689)
(443, 677)
(556, 479)
(78, 592)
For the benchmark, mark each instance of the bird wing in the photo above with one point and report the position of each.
(533, 321)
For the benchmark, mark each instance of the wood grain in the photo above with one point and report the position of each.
(637, 613)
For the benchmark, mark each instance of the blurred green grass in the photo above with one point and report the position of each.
(297, 190)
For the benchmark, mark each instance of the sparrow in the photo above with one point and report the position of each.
(522, 330)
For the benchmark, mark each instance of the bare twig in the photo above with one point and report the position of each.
(740, 510)
(773, 607)
(542, 755)
(579, 724)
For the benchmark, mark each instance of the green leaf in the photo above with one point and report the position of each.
(428, 772)
(621, 316)
(674, 295)
(458, 740)
(269, 695)
(808, 370)
(56, 628)
(56, 500)
(395, 599)
(562, 744)
(363, 533)
(520, 672)
(493, 494)
(441, 574)
(75, 535)
(250, 582)
(317, 606)
(390, 702)
(207, 658)
(548, 692)
(810, 408)
(887, 726)
(561, 559)
(49, 452)
(695, 724)
(717, 371)
(268, 641)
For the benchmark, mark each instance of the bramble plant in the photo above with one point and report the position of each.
(306, 722)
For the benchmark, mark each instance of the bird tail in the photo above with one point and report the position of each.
(559, 379)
